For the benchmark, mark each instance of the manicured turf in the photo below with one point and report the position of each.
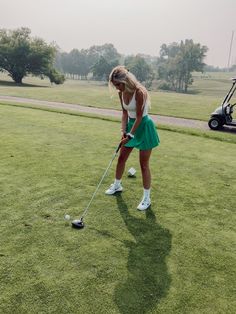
(205, 95)
(178, 257)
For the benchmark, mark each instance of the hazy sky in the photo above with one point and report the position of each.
(133, 26)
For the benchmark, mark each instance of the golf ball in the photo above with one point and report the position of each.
(67, 217)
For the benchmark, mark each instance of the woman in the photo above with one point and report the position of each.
(137, 128)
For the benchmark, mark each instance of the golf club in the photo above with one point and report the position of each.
(79, 223)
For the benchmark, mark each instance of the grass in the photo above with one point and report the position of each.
(225, 136)
(205, 95)
(176, 258)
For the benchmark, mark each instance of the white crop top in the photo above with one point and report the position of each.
(131, 107)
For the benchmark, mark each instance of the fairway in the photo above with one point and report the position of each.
(178, 257)
(203, 98)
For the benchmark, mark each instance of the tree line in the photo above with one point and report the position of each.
(21, 55)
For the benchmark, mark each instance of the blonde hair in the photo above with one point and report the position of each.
(121, 75)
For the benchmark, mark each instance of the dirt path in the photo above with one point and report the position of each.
(109, 112)
(105, 112)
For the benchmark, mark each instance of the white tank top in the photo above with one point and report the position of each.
(131, 107)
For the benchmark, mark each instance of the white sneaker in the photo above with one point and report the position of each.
(113, 189)
(144, 204)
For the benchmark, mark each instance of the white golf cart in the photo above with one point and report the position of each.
(223, 114)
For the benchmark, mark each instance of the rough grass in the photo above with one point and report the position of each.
(204, 96)
(177, 257)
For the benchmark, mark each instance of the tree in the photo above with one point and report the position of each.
(178, 61)
(103, 68)
(107, 51)
(21, 55)
(83, 66)
(102, 59)
(140, 68)
(90, 60)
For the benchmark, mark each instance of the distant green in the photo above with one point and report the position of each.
(178, 257)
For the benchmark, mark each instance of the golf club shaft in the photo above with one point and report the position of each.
(95, 192)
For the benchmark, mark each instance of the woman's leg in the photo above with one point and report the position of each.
(144, 157)
(120, 167)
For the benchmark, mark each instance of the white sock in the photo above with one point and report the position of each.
(117, 182)
(146, 193)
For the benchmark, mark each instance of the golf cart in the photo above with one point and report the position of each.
(223, 114)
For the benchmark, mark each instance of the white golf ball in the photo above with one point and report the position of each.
(67, 217)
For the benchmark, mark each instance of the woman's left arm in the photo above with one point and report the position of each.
(139, 97)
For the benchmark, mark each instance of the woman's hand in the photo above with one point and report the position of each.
(123, 135)
(124, 140)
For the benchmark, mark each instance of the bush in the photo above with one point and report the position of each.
(56, 77)
(164, 85)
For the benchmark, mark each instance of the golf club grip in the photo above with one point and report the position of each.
(118, 148)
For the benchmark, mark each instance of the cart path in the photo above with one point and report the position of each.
(105, 112)
(197, 124)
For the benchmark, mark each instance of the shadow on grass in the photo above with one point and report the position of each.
(227, 129)
(148, 280)
(11, 84)
(193, 92)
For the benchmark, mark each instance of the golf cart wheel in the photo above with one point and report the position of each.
(214, 124)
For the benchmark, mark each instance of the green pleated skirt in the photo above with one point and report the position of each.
(145, 137)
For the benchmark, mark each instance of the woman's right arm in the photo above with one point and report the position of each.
(124, 121)
(124, 118)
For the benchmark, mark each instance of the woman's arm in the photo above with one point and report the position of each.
(140, 98)
(124, 118)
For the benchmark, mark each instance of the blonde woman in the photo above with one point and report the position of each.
(137, 128)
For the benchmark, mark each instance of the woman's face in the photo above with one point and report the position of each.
(119, 86)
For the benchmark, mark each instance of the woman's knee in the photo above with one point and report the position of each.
(122, 159)
(124, 155)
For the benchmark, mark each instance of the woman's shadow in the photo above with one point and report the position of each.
(148, 280)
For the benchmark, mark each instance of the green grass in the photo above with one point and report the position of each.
(217, 135)
(205, 95)
(176, 258)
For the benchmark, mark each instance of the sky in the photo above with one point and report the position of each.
(132, 26)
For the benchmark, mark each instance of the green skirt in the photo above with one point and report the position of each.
(145, 136)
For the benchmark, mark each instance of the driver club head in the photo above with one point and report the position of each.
(77, 223)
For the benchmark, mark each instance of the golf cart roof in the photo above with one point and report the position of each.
(233, 79)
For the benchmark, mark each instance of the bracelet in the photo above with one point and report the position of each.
(130, 135)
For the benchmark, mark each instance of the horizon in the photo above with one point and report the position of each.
(133, 28)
